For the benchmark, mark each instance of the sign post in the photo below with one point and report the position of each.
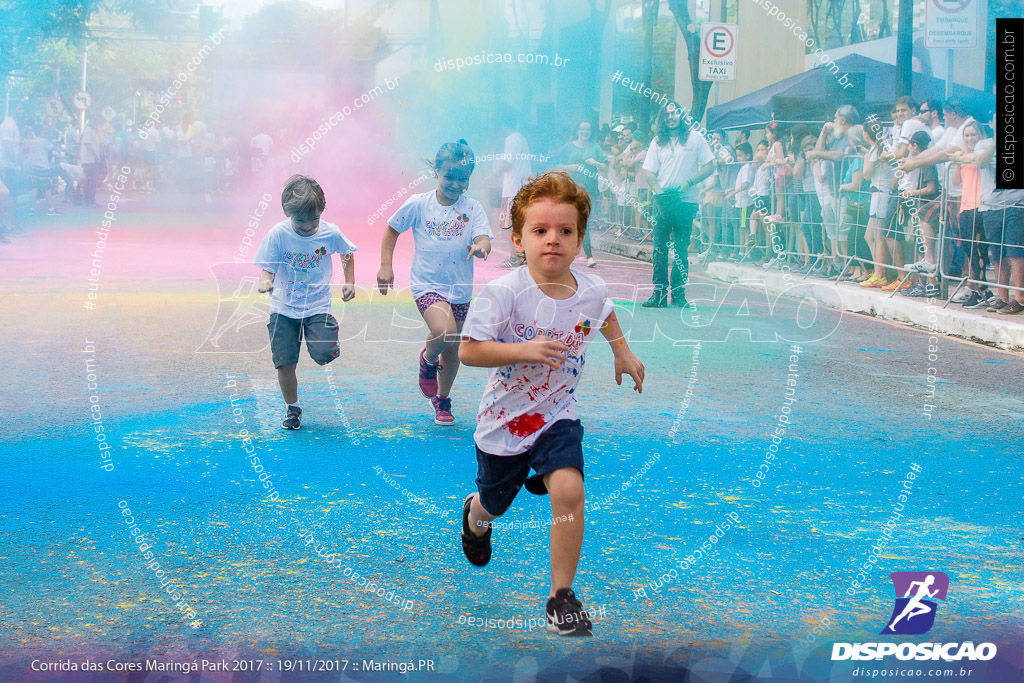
(951, 24)
(718, 52)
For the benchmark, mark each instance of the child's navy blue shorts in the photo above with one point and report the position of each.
(499, 477)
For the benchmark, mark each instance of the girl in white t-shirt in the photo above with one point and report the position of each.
(449, 229)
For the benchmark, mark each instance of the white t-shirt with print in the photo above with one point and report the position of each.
(302, 267)
(442, 235)
(522, 401)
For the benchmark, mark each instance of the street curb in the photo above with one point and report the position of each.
(642, 251)
(952, 320)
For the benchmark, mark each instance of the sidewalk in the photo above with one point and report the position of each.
(1005, 332)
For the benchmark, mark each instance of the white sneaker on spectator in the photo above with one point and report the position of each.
(962, 296)
(923, 266)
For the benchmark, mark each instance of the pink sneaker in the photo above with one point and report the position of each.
(428, 376)
(442, 411)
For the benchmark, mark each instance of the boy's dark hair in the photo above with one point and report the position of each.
(762, 142)
(922, 139)
(556, 185)
(956, 106)
(302, 198)
(457, 152)
(933, 105)
(744, 147)
(907, 100)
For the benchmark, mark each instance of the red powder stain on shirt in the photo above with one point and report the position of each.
(524, 425)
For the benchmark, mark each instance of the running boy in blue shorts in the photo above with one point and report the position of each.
(532, 327)
(296, 260)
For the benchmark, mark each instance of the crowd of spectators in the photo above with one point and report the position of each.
(44, 166)
(898, 205)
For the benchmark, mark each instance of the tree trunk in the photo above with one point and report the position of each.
(885, 27)
(649, 18)
(681, 13)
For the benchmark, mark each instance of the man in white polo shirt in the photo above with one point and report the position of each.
(676, 162)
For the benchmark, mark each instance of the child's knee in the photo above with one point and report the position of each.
(566, 491)
(448, 334)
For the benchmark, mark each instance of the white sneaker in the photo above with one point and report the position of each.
(962, 296)
(923, 266)
(591, 262)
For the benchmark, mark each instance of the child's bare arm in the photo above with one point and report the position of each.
(495, 354)
(625, 360)
(266, 282)
(348, 290)
(480, 247)
(386, 275)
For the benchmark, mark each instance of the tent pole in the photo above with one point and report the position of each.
(949, 74)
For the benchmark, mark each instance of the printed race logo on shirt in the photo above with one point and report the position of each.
(448, 229)
(572, 339)
(304, 261)
(913, 614)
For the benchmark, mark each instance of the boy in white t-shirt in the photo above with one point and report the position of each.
(532, 327)
(296, 260)
(740, 197)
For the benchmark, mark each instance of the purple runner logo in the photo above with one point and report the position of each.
(913, 613)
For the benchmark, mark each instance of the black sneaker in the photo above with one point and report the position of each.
(476, 548)
(293, 420)
(978, 300)
(566, 616)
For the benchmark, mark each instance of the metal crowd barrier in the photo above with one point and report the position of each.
(801, 230)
